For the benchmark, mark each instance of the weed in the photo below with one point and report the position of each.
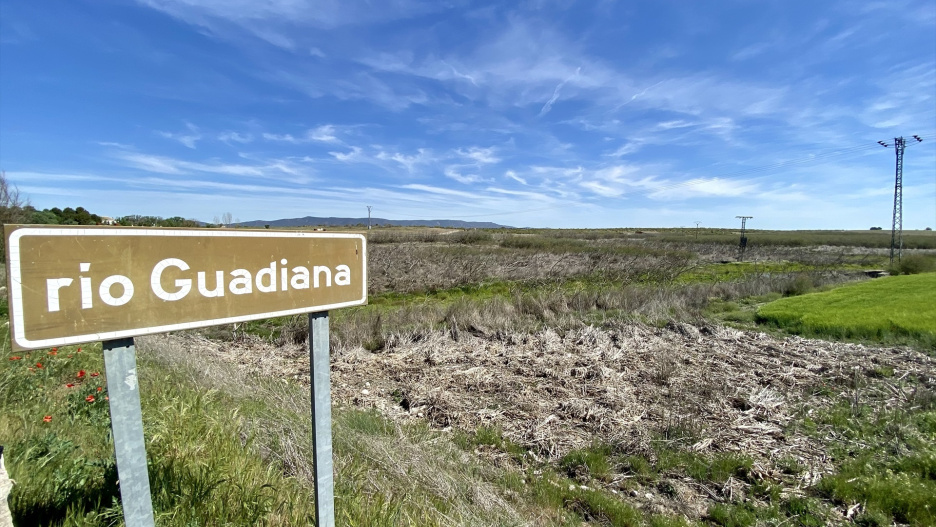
(588, 463)
(726, 515)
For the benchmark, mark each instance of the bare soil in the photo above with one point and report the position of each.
(722, 389)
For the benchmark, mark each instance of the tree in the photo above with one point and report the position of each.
(44, 217)
(227, 218)
(13, 206)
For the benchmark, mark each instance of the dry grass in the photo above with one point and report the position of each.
(393, 474)
(713, 391)
(519, 309)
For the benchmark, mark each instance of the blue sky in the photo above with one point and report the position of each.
(540, 113)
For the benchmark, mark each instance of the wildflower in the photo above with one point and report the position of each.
(99, 388)
(53, 352)
(80, 373)
(16, 358)
(47, 419)
(54, 349)
(70, 385)
(89, 398)
(95, 374)
(39, 365)
(107, 398)
(79, 350)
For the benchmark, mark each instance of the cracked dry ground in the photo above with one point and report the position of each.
(736, 390)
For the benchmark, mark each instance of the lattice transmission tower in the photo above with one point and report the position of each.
(742, 245)
(900, 144)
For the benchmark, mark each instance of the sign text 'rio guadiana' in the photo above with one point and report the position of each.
(69, 285)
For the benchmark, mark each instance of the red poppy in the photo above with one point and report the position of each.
(47, 419)
(99, 388)
(54, 349)
(16, 358)
(95, 374)
(89, 398)
(70, 385)
(39, 365)
(53, 353)
(106, 398)
(79, 350)
(80, 373)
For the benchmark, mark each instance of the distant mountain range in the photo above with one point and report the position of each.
(312, 221)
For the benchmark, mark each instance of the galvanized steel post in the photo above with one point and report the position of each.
(320, 373)
(127, 426)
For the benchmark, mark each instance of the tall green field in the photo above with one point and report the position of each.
(894, 308)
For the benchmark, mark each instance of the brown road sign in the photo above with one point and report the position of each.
(80, 284)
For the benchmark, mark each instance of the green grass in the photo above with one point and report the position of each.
(59, 449)
(885, 309)
(886, 461)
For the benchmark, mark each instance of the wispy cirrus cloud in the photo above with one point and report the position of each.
(271, 169)
(483, 156)
(188, 138)
(235, 137)
(410, 162)
(325, 133)
(453, 172)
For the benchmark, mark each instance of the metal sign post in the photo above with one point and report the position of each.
(127, 426)
(320, 375)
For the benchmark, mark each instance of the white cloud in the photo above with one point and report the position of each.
(353, 156)
(483, 156)
(188, 138)
(513, 175)
(274, 169)
(749, 52)
(325, 133)
(286, 138)
(520, 193)
(440, 190)
(322, 13)
(702, 188)
(625, 149)
(453, 173)
(236, 137)
(555, 96)
(422, 156)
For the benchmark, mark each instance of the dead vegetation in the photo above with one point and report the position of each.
(708, 390)
(553, 348)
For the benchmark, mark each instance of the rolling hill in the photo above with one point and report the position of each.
(345, 222)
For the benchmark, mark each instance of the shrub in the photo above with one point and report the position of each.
(800, 285)
(916, 263)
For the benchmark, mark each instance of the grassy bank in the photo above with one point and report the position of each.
(889, 309)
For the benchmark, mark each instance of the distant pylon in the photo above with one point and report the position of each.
(743, 243)
(897, 224)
